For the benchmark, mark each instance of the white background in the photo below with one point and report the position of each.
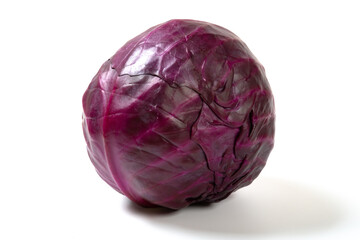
(49, 52)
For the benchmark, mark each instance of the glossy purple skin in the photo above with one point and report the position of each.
(181, 114)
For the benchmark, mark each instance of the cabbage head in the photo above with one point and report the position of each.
(181, 114)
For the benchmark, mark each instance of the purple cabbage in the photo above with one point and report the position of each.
(181, 114)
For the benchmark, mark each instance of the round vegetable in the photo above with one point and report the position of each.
(181, 114)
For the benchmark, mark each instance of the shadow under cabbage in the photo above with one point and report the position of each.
(268, 206)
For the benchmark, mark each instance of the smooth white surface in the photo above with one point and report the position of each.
(49, 52)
